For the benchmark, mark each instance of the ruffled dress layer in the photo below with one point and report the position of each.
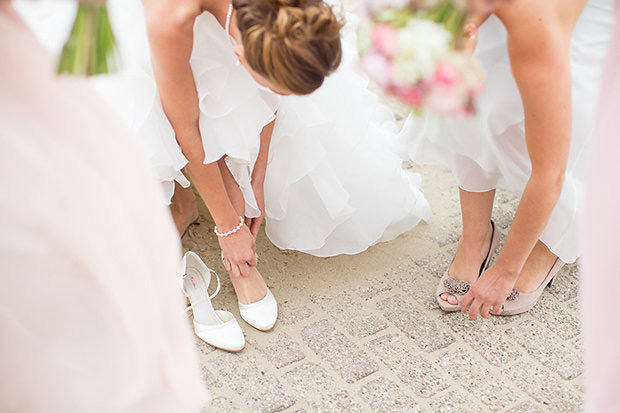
(332, 187)
(488, 151)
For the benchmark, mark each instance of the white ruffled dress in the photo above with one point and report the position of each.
(332, 187)
(488, 151)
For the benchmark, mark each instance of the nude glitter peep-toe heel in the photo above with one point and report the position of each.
(518, 302)
(459, 288)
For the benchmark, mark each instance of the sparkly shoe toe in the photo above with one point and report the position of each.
(458, 288)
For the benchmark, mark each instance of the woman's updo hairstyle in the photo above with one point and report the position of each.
(293, 43)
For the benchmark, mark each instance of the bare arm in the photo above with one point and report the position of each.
(170, 29)
(260, 167)
(538, 45)
(540, 60)
(258, 176)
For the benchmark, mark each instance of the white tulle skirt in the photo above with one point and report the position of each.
(488, 151)
(332, 187)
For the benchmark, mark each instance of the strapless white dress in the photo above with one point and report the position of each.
(488, 151)
(333, 186)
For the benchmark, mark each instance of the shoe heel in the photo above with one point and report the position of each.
(523, 302)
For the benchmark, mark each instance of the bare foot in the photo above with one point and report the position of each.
(536, 268)
(468, 259)
(250, 289)
(183, 208)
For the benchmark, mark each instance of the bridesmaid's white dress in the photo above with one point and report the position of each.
(333, 184)
(488, 151)
(91, 313)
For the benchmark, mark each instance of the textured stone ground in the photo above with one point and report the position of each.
(364, 333)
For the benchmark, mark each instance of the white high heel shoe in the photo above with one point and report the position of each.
(261, 315)
(217, 328)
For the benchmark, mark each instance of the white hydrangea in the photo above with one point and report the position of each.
(420, 44)
(378, 5)
(407, 72)
(423, 37)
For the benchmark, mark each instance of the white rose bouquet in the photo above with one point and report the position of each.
(91, 46)
(414, 50)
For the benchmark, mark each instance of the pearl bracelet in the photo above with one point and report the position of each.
(232, 231)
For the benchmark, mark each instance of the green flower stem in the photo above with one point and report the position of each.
(91, 46)
(450, 16)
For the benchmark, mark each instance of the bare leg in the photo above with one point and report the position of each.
(183, 208)
(251, 288)
(536, 268)
(476, 209)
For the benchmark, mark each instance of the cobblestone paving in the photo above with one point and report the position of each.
(364, 333)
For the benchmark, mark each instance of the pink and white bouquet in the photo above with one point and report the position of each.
(413, 49)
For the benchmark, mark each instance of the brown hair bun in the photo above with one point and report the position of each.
(293, 43)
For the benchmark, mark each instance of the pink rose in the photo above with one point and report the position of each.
(378, 67)
(413, 95)
(447, 90)
(385, 39)
(447, 75)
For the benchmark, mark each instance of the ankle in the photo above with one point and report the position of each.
(475, 250)
(477, 240)
(188, 207)
(187, 211)
(249, 289)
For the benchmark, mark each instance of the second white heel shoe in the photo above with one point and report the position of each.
(217, 328)
(261, 315)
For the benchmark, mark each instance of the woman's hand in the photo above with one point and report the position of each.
(239, 252)
(488, 293)
(258, 186)
(470, 32)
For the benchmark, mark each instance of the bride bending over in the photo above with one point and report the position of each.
(226, 163)
(230, 77)
(219, 75)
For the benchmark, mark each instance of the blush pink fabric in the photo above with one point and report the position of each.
(91, 313)
(601, 267)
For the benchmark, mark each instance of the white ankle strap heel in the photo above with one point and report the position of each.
(217, 328)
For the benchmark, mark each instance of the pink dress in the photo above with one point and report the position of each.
(91, 314)
(601, 269)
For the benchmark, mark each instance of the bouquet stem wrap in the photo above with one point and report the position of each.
(452, 17)
(91, 46)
